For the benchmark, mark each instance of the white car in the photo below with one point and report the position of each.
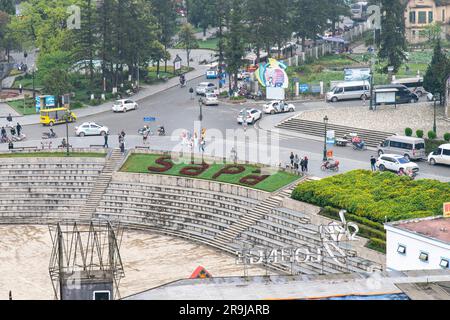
(250, 115)
(278, 107)
(440, 156)
(91, 129)
(124, 105)
(395, 162)
(205, 87)
(210, 99)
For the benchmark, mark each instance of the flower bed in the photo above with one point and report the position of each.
(245, 175)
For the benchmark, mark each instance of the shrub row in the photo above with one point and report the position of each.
(377, 244)
(334, 213)
(431, 134)
(377, 196)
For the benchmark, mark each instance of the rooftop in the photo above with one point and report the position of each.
(437, 228)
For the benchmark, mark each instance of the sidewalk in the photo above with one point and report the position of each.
(145, 92)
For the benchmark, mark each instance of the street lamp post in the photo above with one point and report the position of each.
(34, 92)
(325, 121)
(67, 131)
(371, 89)
(434, 117)
(200, 118)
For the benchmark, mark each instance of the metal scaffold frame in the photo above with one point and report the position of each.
(86, 250)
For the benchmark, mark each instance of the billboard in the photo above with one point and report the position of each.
(447, 210)
(272, 74)
(356, 74)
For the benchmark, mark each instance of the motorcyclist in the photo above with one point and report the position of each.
(401, 172)
(182, 80)
(161, 131)
(358, 142)
(63, 143)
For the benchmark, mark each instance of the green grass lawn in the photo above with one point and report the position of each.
(59, 154)
(18, 105)
(139, 163)
(211, 44)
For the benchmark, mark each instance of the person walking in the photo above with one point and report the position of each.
(202, 144)
(245, 124)
(191, 91)
(292, 159)
(296, 162)
(105, 144)
(373, 162)
(145, 137)
(305, 163)
(302, 165)
(18, 129)
(9, 119)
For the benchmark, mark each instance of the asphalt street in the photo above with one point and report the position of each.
(175, 110)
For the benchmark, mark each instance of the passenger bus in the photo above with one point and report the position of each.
(359, 11)
(415, 85)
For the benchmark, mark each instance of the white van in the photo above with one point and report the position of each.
(349, 90)
(409, 147)
(440, 155)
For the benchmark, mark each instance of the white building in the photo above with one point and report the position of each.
(418, 244)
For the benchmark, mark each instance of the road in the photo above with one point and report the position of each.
(175, 110)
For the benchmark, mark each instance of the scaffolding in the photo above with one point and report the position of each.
(82, 253)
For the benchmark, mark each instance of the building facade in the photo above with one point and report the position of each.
(418, 244)
(422, 13)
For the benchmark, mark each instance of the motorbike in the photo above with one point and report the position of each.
(145, 130)
(359, 146)
(21, 137)
(410, 174)
(330, 166)
(161, 131)
(49, 135)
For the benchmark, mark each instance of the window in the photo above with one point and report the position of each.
(437, 152)
(101, 295)
(423, 256)
(422, 17)
(401, 249)
(444, 263)
(446, 152)
(430, 16)
(420, 146)
(339, 90)
(412, 17)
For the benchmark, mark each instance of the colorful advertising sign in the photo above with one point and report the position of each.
(447, 209)
(273, 75)
(356, 74)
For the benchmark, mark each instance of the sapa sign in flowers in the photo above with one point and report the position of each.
(165, 163)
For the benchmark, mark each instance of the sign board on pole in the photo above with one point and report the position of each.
(356, 74)
(304, 88)
(385, 95)
(273, 93)
(447, 210)
(149, 119)
(331, 137)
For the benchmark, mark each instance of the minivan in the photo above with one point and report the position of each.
(409, 147)
(349, 90)
(440, 155)
(403, 94)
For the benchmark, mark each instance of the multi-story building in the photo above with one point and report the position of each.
(422, 13)
(418, 244)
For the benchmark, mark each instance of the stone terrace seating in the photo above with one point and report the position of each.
(200, 213)
(46, 187)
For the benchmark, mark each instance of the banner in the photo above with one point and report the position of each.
(331, 137)
(356, 74)
(273, 74)
(447, 210)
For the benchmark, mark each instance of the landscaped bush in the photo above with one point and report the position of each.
(431, 135)
(419, 133)
(76, 105)
(408, 132)
(194, 170)
(253, 180)
(431, 145)
(447, 137)
(231, 169)
(377, 244)
(165, 162)
(374, 195)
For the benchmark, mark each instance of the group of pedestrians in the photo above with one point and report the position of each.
(15, 131)
(299, 164)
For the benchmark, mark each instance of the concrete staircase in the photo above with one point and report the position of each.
(372, 138)
(265, 207)
(114, 160)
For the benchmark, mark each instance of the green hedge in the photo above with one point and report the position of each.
(377, 196)
(377, 244)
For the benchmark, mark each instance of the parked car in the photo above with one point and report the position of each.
(250, 115)
(212, 74)
(278, 107)
(210, 99)
(394, 162)
(441, 155)
(408, 147)
(402, 93)
(91, 129)
(124, 105)
(205, 87)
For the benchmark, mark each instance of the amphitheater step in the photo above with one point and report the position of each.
(254, 215)
(371, 137)
(101, 185)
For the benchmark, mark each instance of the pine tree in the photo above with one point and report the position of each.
(392, 38)
(8, 7)
(437, 72)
